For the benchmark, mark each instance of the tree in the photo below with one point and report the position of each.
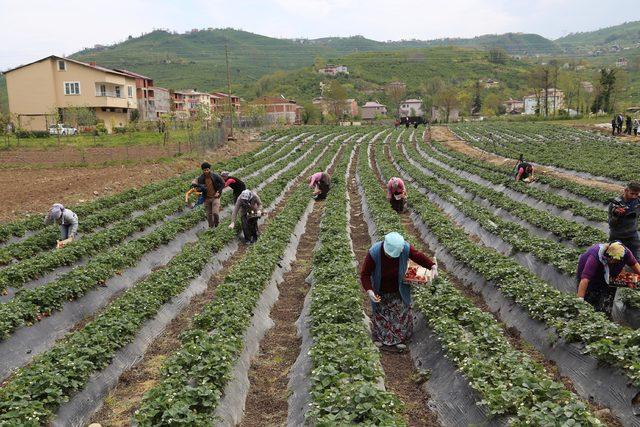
(448, 98)
(498, 55)
(606, 91)
(429, 90)
(493, 105)
(395, 93)
(311, 114)
(319, 62)
(336, 96)
(476, 104)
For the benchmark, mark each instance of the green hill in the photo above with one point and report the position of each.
(369, 72)
(624, 35)
(513, 43)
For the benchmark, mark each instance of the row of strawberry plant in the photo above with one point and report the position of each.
(29, 305)
(576, 207)
(591, 193)
(580, 234)
(46, 238)
(193, 379)
(573, 319)
(509, 381)
(557, 146)
(345, 363)
(546, 250)
(33, 223)
(35, 391)
(19, 273)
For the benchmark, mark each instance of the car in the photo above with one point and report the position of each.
(62, 130)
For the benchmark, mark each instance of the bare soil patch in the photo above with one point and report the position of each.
(266, 403)
(24, 191)
(400, 373)
(445, 136)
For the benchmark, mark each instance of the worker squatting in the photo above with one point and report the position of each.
(383, 270)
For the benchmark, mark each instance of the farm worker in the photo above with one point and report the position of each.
(623, 218)
(234, 183)
(214, 185)
(382, 278)
(613, 126)
(636, 125)
(525, 172)
(320, 182)
(627, 125)
(67, 220)
(619, 121)
(250, 208)
(396, 194)
(596, 269)
(198, 190)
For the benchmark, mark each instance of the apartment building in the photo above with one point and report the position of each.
(145, 95)
(220, 102)
(411, 108)
(555, 102)
(280, 109)
(39, 92)
(162, 98)
(187, 103)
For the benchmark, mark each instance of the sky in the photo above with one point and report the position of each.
(32, 29)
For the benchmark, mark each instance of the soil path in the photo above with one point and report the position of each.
(446, 137)
(266, 403)
(24, 191)
(400, 373)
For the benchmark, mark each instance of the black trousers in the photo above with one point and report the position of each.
(250, 227)
(397, 205)
(601, 298)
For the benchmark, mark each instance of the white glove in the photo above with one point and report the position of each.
(434, 271)
(372, 296)
(232, 225)
(580, 298)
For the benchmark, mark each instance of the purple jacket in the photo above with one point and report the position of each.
(590, 267)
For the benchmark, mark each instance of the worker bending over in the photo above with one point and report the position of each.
(249, 207)
(320, 182)
(396, 194)
(236, 184)
(524, 171)
(67, 220)
(197, 190)
(597, 268)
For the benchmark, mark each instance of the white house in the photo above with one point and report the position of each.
(334, 70)
(555, 101)
(411, 108)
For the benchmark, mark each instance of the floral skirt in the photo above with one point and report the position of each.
(392, 320)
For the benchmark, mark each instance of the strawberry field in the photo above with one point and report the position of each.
(150, 318)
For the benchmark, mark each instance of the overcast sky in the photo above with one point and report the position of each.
(31, 29)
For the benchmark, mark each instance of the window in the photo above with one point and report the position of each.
(117, 91)
(72, 88)
(62, 66)
(130, 91)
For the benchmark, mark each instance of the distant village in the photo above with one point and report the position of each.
(40, 92)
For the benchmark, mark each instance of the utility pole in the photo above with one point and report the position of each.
(226, 55)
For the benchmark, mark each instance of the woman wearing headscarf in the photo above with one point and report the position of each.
(66, 219)
(321, 183)
(597, 268)
(249, 207)
(382, 277)
(396, 194)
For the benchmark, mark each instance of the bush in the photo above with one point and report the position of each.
(101, 128)
(120, 129)
(21, 133)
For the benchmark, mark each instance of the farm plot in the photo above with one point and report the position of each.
(495, 340)
(570, 149)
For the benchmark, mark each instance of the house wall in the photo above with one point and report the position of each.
(112, 119)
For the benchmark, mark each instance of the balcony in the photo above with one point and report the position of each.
(109, 94)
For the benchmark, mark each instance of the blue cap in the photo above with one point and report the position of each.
(393, 244)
